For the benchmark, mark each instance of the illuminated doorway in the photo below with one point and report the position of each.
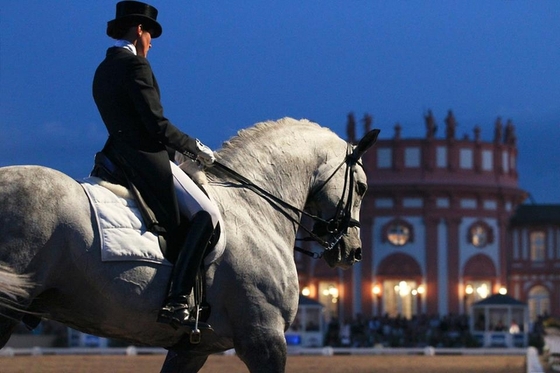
(539, 302)
(476, 291)
(328, 296)
(401, 297)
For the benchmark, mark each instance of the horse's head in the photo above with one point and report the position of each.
(337, 197)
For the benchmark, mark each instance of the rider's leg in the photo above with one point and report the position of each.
(203, 220)
(176, 309)
(190, 197)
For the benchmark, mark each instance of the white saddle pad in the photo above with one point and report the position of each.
(123, 234)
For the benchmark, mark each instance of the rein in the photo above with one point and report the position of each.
(336, 227)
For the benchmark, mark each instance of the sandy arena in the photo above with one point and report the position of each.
(299, 364)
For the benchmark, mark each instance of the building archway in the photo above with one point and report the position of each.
(478, 273)
(400, 295)
(539, 302)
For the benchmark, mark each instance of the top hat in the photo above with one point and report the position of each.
(135, 11)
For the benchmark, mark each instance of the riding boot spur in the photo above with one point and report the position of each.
(176, 309)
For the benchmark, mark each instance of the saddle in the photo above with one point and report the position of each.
(106, 170)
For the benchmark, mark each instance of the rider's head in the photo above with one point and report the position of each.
(135, 22)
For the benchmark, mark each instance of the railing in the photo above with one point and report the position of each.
(429, 351)
(326, 351)
(37, 351)
(532, 356)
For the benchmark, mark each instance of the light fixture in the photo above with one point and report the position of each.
(404, 289)
(483, 291)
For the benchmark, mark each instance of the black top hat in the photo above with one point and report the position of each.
(135, 11)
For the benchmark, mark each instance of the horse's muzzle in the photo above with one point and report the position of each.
(358, 254)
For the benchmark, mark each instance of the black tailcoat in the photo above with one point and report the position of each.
(127, 95)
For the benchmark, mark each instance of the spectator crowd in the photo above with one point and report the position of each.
(418, 331)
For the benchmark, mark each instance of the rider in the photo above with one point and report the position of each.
(141, 141)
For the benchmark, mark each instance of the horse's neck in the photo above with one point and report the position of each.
(287, 179)
(283, 161)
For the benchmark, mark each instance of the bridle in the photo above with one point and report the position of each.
(337, 226)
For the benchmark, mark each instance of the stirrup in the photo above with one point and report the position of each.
(177, 315)
(173, 314)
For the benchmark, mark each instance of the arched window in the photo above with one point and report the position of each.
(539, 302)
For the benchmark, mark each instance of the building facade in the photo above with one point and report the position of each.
(436, 230)
(534, 266)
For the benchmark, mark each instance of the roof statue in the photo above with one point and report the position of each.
(498, 130)
(368, 120)
(351, 128)
(450, 125)
(509, 137)
(398, 129)
(431, 126)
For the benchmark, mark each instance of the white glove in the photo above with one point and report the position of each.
(204, 154)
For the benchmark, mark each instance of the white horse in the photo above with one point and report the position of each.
(289, 168)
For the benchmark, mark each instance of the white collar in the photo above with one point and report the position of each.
(126, 45)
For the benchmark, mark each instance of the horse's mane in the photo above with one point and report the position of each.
(258, 141)
(289, 127)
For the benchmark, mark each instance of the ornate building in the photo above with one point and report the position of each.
(534, 258)
(436, 230)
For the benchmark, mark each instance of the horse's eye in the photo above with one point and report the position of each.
(361, 188)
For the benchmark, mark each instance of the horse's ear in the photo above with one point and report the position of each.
(365, 143)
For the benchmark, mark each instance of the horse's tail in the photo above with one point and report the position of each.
(12, 286)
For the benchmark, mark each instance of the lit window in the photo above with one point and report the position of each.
(537, 246)
(398, 234)
(479, 236)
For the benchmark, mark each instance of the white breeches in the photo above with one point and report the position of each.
(190, 198)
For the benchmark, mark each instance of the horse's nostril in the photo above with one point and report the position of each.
(358, 254)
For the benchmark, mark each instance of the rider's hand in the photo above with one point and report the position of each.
(204, 154)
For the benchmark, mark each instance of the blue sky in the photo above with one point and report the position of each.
(224, 65)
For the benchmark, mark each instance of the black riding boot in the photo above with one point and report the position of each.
(176, 309)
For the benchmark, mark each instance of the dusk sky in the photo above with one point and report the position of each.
(225, 65)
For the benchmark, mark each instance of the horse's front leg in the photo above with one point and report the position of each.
(183, 362)
(263, 350)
